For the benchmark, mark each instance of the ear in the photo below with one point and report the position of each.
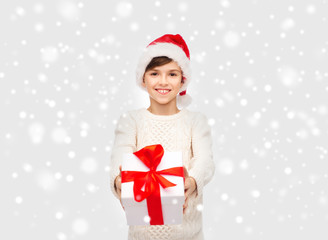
(182, 81)
(143, 82)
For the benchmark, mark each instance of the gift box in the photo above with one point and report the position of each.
(152, 190)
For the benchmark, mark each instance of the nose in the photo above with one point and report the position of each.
(163, 80)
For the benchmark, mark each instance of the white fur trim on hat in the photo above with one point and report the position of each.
(164, 49)
(184, 100)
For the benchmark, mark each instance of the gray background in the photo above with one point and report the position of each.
(67, 72)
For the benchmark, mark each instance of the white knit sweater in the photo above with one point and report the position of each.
(184, 131)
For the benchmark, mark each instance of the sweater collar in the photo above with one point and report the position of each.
(164, 117)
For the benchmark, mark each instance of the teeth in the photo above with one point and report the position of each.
(163, 91)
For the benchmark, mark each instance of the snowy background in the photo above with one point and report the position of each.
(67, 72)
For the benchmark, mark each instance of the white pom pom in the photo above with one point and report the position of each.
(184, 100)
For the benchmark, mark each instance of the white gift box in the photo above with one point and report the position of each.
(172, 198)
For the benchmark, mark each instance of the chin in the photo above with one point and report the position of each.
(162, 101)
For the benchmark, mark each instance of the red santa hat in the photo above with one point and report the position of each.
(174, 47)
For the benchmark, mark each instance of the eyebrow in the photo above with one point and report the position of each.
(170, 70)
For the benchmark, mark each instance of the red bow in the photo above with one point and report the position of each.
(151, 156)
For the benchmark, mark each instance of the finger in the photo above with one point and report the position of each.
(187, 184)
(186, 200)
(120, 169)
(118, 182)
(185, 172)
(187, 193)
(185, 205)
(119, 193)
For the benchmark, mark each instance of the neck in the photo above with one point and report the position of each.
(163, 109)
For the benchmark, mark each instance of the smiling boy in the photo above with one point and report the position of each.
(163, 72)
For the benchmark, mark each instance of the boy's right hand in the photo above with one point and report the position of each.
(118, 183)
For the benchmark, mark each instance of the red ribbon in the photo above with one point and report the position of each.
(151, 156)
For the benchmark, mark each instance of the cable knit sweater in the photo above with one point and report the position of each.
(184, 131)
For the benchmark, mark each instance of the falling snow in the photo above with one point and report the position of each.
(259, 73)
(80, 226)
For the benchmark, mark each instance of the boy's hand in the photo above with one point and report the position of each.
(189, 186)
(117, 184)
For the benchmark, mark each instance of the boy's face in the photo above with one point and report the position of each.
(163, 83)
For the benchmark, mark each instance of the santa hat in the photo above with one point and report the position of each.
(174, 47)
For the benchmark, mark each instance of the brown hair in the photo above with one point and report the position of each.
(159, 61)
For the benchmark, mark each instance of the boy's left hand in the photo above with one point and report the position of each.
(189, 187)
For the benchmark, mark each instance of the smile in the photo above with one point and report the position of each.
(163, 91)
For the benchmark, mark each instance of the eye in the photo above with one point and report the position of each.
(173, 74)
(153, 74)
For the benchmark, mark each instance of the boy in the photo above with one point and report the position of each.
(164, 72)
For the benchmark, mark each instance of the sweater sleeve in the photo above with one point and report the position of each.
(124, 142)
(202, 166)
